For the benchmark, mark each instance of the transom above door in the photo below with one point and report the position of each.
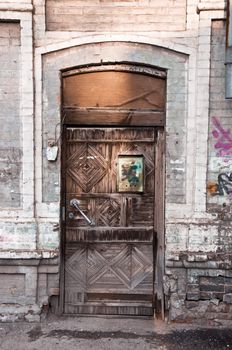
(117, 95)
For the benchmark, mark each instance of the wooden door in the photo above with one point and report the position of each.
(108, 266)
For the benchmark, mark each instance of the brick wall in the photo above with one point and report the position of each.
(219, 184)
(112, 15)
(10, 139)
(198, 281)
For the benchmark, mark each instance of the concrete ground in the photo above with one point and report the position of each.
(111, 333)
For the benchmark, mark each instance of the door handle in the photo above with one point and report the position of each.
(75, 203)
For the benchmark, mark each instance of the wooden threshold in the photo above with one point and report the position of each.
(126, 310)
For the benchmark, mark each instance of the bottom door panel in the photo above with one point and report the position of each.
(109, 278)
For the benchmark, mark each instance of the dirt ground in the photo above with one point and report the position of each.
(111, 333)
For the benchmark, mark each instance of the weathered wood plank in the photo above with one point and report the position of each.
(129, 235)
(82, 116)
(105, 135)
(159, 219)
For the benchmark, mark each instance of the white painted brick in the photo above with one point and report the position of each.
(202, 238)
(176, 238)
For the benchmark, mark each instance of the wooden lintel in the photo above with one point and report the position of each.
(92, 116)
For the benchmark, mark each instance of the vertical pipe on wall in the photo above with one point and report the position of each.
(228, 62)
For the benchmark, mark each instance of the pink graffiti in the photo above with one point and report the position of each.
(224, 139)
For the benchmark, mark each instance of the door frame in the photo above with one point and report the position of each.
(157, 121)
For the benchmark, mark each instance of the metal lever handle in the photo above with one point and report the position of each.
(75, 203)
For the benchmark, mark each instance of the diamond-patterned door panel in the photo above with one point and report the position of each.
(115, 268)
(108, 212)
(86, 166)
(109, 267)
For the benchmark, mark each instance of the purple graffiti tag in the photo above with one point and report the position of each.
(224, 139)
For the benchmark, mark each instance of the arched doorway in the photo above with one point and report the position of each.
(112, 188)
